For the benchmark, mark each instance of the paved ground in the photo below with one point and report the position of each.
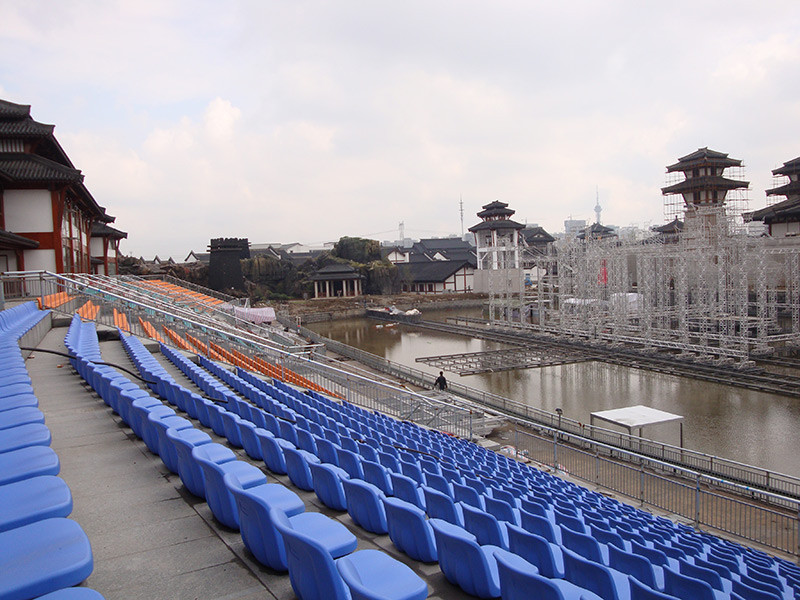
(150, 537)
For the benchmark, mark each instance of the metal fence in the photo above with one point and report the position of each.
(402, 403)
(708, 501)
(723, 468)
(705, 501)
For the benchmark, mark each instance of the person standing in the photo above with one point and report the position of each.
(441, 382)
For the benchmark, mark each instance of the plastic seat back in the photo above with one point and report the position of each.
(632, 564)
(463, 561)
(536, 550)
(327, 482)
(502, 510)
(365, 506)
(407, 489)
(682, 586)
(312, 572)
(583, 545)
(409, 530)
(640, 591)
(485, 527)
(694, 571)
(468, 495)
(441, 506)
(540, 526)
(590, 575)
(377, 475)
(297, 467)
(350, 462)
(520, 581)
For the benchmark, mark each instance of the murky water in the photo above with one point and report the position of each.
(746, 426)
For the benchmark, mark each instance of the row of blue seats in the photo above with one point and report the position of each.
(368, 506)
(42, 552)
(666, 545)
(306, 476)
(276, 527)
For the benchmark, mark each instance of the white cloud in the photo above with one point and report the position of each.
(310, 120)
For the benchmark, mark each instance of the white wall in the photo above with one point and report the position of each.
(40, 260)
(28, 211)
(96, 247)
(784, 229)
(8, 261)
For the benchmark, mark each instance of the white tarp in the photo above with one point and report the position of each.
(255, 315)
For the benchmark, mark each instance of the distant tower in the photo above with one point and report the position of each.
(402, 230)
(224, 268)
(497, 237)
(704, 189)
(597, 208)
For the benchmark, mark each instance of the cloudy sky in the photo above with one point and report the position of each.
(303, 120)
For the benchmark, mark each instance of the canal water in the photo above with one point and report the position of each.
(746, 426)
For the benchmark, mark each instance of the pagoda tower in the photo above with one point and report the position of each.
(497, 237)
(783, 218)
(704, 188)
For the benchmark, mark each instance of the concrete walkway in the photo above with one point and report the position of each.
(150, 537)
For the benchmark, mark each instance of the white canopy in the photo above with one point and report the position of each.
(633, 417)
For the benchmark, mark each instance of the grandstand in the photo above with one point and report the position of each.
(184, 460)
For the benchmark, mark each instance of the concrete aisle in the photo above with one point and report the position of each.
(150, 537)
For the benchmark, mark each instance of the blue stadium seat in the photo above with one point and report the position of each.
(520, 580)
(607, 583)
(464, 562)
(442, 506)
(485, 527)
(327, 482)
(365, 505)
(409, 530)
(34, 499)
(297, 462)
(373, 575)
(43, 557)
(28, 462)
(544, 555)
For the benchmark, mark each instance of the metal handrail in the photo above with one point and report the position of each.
(249, 341)
(527, 415)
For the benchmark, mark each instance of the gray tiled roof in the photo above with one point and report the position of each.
(24, 127)
(30, 167)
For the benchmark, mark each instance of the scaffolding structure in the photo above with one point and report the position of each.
(710, 292)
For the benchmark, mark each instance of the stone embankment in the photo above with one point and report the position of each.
(330, 309)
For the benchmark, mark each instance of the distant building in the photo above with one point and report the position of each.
(498, 248)
(596, 231)
(47, 215)
(225, 267)
(572, 227)
(782, 219)
(437, 277)
(435, 265)
(337, 281)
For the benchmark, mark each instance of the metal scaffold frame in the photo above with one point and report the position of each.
(710, 292)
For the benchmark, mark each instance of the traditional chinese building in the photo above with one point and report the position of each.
(705, 187)
(47, 216)
(783, 219)
(337, 281)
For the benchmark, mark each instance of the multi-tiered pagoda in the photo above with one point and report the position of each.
(704, 188)
(497, 237)
(783, 218)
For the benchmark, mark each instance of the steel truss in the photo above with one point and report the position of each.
(710, 292)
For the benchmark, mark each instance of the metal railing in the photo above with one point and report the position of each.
(708, 501)
(357, 389)
(723, 468)
(705, 501)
